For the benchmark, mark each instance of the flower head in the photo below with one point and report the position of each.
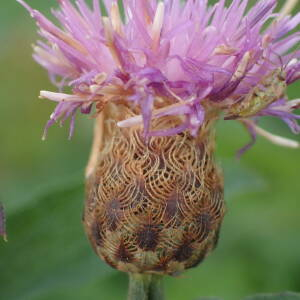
(171, 58)
(158, 77)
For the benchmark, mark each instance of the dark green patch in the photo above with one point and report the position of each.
(281, 296)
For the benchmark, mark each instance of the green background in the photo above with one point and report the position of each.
(47, 255)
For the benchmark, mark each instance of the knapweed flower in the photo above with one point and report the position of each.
(158, 74)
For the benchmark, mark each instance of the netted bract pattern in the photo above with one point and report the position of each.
(154, 206)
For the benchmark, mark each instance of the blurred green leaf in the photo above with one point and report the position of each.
(281, 296)
(209, 298)
(47, 255)
(247, 181)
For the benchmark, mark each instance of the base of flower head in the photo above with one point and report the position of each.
(156, 205)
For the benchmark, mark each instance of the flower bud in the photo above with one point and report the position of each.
(153, 205)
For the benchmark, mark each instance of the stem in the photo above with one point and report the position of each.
(145, 287)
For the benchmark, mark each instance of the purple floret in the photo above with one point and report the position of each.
(190, 56)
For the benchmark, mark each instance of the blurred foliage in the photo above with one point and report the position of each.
(281, 296)
(47, 255)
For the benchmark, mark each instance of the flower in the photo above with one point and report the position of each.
(167, 58)
(157, 75)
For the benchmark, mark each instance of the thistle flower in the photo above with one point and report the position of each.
(157, 78)
(170, 59)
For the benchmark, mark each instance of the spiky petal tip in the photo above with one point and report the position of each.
(172, 59)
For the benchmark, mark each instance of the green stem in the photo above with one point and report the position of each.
(145, 287)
